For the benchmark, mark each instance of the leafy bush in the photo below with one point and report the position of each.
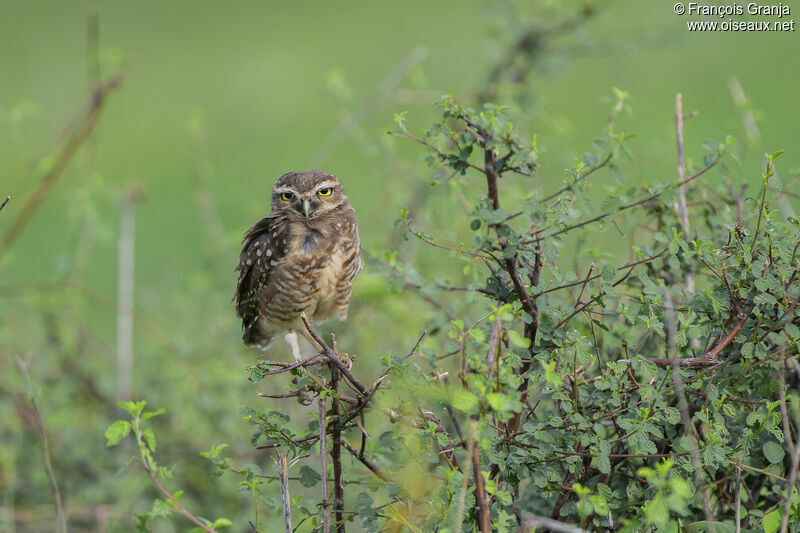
(648, 387)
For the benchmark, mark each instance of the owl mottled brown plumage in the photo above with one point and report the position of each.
(302, 257)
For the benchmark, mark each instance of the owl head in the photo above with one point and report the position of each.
(307, 194)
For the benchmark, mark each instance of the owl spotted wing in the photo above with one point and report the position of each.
(259, 254)
(351, 266)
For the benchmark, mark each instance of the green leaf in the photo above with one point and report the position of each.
(151, 414)
(134, 408)
(308, 476)
(222, 522)
(150, 438)
(719, 527)
(773, 452)
(603, 462)
(656, 510)
(117, 431)
(672, 415)
(772, 521)
(517, 340)
(464, 400)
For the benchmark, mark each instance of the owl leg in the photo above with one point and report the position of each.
(291, 339)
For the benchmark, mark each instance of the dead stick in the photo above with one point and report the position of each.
(790, 486)
(336, 451)
(283, 468)
(323, 453)
(480, 489)
(79, 135)
(366, 462)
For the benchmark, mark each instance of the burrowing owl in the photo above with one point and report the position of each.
(302, 257)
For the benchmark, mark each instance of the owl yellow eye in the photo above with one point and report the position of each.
(287, 196)
(325, 192)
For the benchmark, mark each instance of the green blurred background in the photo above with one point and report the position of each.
(220, 99)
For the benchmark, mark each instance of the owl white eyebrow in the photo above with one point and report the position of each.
(281, 190)
(326, 184)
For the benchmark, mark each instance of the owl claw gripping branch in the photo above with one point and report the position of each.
(302, 257)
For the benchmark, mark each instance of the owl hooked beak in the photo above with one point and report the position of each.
(308, 208)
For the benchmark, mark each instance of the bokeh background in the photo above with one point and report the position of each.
(217, 101)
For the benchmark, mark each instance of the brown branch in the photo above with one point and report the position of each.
(588, 173)
(311, 360)
(366, 462)
(480, 490)
(80, 133)
(323, 453)
(589, 277)
(710, 358)
(548, 524)
(336, 448)
(639, 202)
(8, 199)
(442, 155)
(334, 358)
(283, 469)
(790, 485)
(48, 465)
(683, 210)
(170, 498)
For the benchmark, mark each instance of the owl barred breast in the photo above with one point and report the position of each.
(302, 257)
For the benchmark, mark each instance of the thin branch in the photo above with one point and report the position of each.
(283, 469)
(366, 462)
(48, 465)
(336, 451)
(588, 173)
(531, 521)
(334, 358)
(167, 494)
(637, 203)
(683, 210)
(323, 454)
(8, 199)
(78, 136)
(480, 490)
(790, 486)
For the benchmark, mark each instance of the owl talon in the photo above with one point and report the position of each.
(346, 360)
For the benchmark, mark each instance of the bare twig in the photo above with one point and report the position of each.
(323, 455)
(738, 497)
(79, 134)
(690, 431)
(333, 357)
(790, 485)
(366, 462)
(480, 490)
(8, 199)
(583, 176)
(739, 98)
(167, 494)
(787, 428)
(336, 450)
(711, 357)
(283, 469)
(48, 465)
(462, 493)
(683, 211)
(531, 521)
(125, 282)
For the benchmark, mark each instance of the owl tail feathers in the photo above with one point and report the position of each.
(254, 338)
